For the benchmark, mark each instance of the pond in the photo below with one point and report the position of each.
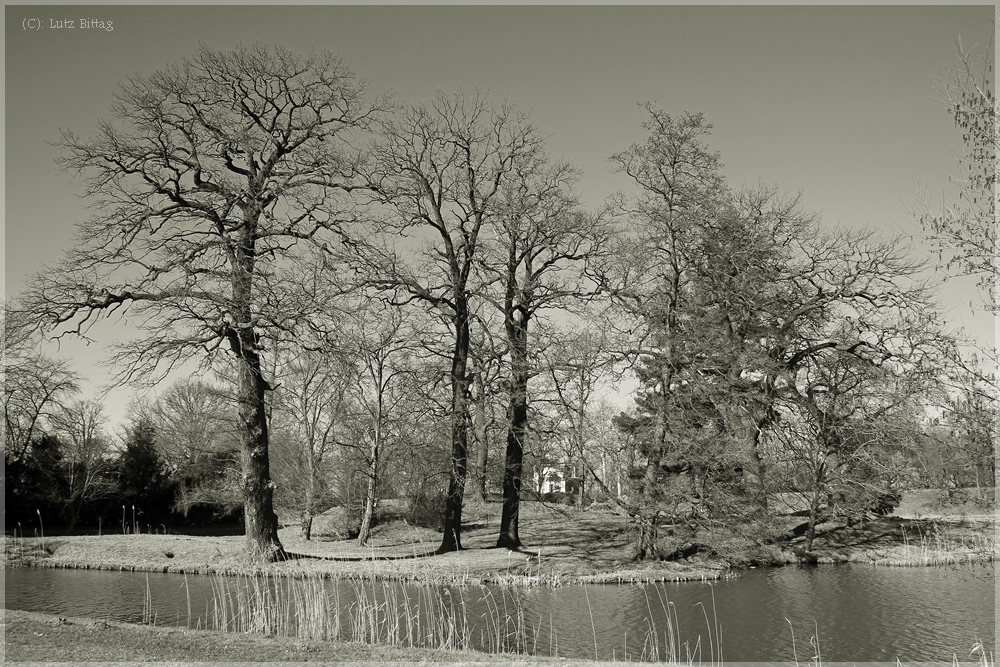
(859, 613)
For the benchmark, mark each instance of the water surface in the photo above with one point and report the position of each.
(859, 613)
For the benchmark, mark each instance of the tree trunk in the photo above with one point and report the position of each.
(813, 513)
(759, 465)
(260, 520)
(647, 513)
(452, 539)
(647, 534)
(307, 511)
(75, 505)
(517, 419)
(369, 511)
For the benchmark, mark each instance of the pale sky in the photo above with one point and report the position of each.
(834, 102)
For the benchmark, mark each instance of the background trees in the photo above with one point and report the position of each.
(144, 481)
(85, 454)
(314, 404)
(35, 386)
(197, 437)
(379, 305)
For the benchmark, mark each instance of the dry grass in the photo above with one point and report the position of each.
(424, 616)
(562, 546)
(34, 637)
(938, 543)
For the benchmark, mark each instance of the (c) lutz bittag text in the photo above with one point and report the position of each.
(83, 24)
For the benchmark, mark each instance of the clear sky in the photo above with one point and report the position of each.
(834, 102)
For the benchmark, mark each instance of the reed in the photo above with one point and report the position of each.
(377, 612)
(148, 614)
(41, 526)
(984, 657)
(940, 546)
(419, 615)
(664, 644)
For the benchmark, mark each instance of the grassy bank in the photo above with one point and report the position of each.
(563, 545)
(34, 637)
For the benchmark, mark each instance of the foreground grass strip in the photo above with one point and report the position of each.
(34, 637)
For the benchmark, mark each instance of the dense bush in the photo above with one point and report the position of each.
(137, 489)
(35, 485)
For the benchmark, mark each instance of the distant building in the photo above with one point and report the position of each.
(550, 480)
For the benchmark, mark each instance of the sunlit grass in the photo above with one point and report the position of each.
(939, 546)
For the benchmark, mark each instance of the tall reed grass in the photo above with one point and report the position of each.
(421, 615)
(939, 546)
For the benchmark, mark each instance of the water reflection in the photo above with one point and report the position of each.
(861, 613)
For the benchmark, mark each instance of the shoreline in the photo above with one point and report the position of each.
(397, 558)
(469, 567)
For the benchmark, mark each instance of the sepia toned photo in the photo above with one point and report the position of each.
(500, 334)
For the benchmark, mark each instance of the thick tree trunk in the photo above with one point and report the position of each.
(517, 420)
(452, 539)
(75, 505)
(260, 520)
(759, 468)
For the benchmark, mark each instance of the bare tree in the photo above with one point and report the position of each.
(965, 230)
(384, 349)
(575, 366)
(315, 398)
(86, 454)
(35, 387)
(543, 241)
(192, 418)
(212, 172)
(487, 373)
(438, 174)
(851, 415)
